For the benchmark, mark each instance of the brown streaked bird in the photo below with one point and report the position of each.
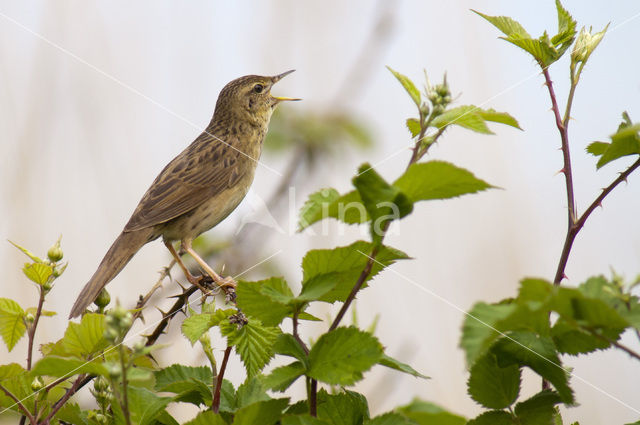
(200, 187)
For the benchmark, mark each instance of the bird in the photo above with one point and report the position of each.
(200, 187)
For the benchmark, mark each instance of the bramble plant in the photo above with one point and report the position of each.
(534, 329)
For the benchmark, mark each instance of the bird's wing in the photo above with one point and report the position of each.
(206, 168)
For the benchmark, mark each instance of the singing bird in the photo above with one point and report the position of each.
(200, 187)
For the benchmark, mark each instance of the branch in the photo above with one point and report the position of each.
(32, 328)
(181, 301)
(296, 336)
(215, 405)
(626, 349)
(18, 403)
(80, 381)
(143, 300)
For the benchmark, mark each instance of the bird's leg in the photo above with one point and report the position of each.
(191, 278)
(221, 282)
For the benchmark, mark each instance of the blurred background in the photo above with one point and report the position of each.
(95, 98)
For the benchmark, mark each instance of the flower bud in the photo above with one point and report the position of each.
(37, 384)
(103, 299)
(55, 253)
(29, 318)
(113, 370)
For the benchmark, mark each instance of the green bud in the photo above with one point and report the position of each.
(47, 285)
(424, 109)
(100, 384)
(55, 253)
(37, 384)
(114, 370)
(585, 44)
(103, 299)
(111, 334)
(29, 318)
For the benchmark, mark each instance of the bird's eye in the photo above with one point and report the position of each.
(258, 88)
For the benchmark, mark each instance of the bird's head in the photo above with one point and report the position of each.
(249, 98)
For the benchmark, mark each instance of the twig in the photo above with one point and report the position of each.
(297, 336)
(143, 300)
(181, 301)
(215, 405)
(21, 406)
(626, 349)
(32, 328)
(77, 384)
(125, 397)
(313, 403)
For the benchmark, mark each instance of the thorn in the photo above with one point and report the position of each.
(562, 170)
(564, 276)
(599, 204)
(177, 296)
(161, 312)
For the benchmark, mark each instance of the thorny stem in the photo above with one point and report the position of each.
(215, 405)
(296, 335)
(21, 406)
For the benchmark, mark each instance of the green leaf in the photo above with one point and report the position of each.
(499, 117)
(316, 207)
(12, 326)
(265, 300)
(263, 413)
(438, 180)
(508, 26)
(305, 419)
(343, 408)
(144, 406)
(398, 365)
(597, 148)
(28, 253)
(570, 339)
(626, 141)
(494, 417)
(340, 356)
(196, 325)
(390, 418)
(481, 328)
(539, 354)
(347, 208)
(408, 86)
(251, 391)
(207, 418)
(413, 125)
(10, 370)
(287, 345)
(71, 413)
(586, 43)
(538, 409)
(38, 272)
(86, 338)
(58, 367)
(253, 342)
(329, 274)
(191, 384)
(493, 386)
(426, 413)
(465, 116)
(382, 201)
(282, 377)
(566, 30)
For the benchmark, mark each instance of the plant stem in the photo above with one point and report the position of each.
(32, 328)
(215, 405)
(125, 397)
(313, 405)
(296, 335)
(21, 406)
(77, 384)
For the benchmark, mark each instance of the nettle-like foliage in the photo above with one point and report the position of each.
(533, 329)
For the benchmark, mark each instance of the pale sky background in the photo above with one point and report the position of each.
(89, 117)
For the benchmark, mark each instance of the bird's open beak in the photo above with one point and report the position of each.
(277, 78)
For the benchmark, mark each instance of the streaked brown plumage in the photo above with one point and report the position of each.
(199, 187)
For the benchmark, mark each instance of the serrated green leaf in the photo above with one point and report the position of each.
(465, 116)
(10, 370)
(253, 342)
(317, 207)
(196, 325)
(541, 49)
(287, 345)
(265, 300)
(343, 408)
(493, 386)
(58, 367)
(191, 384)
(539, 354)
(538, 409)
(494, 417)
(570, 339)
(623, 143)
(499, 117)
(207, 418)
(340, 356)
(282, 377)
(598, 148)
(26, 252)
(566, 30)
(144, 406)
(438, 180)
(45, 313)
(304, 419)
(37, 272)
(264, 412)
(252, 390)
(481, 328)
(383, 202)
(12, 326)
(347, 208)
(509, 27)
(390, 418)
(71, 413)
(413, 125)
(427, 413)
(86, 338)
(329, 274)
(408, 86)
(392, 363)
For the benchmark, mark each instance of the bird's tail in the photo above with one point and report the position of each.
(121, 251)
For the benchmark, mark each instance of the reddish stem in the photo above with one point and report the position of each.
(215, 405)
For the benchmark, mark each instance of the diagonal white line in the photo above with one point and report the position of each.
(454, 306)
(506, 90)
(131, 89)
(129, 337)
